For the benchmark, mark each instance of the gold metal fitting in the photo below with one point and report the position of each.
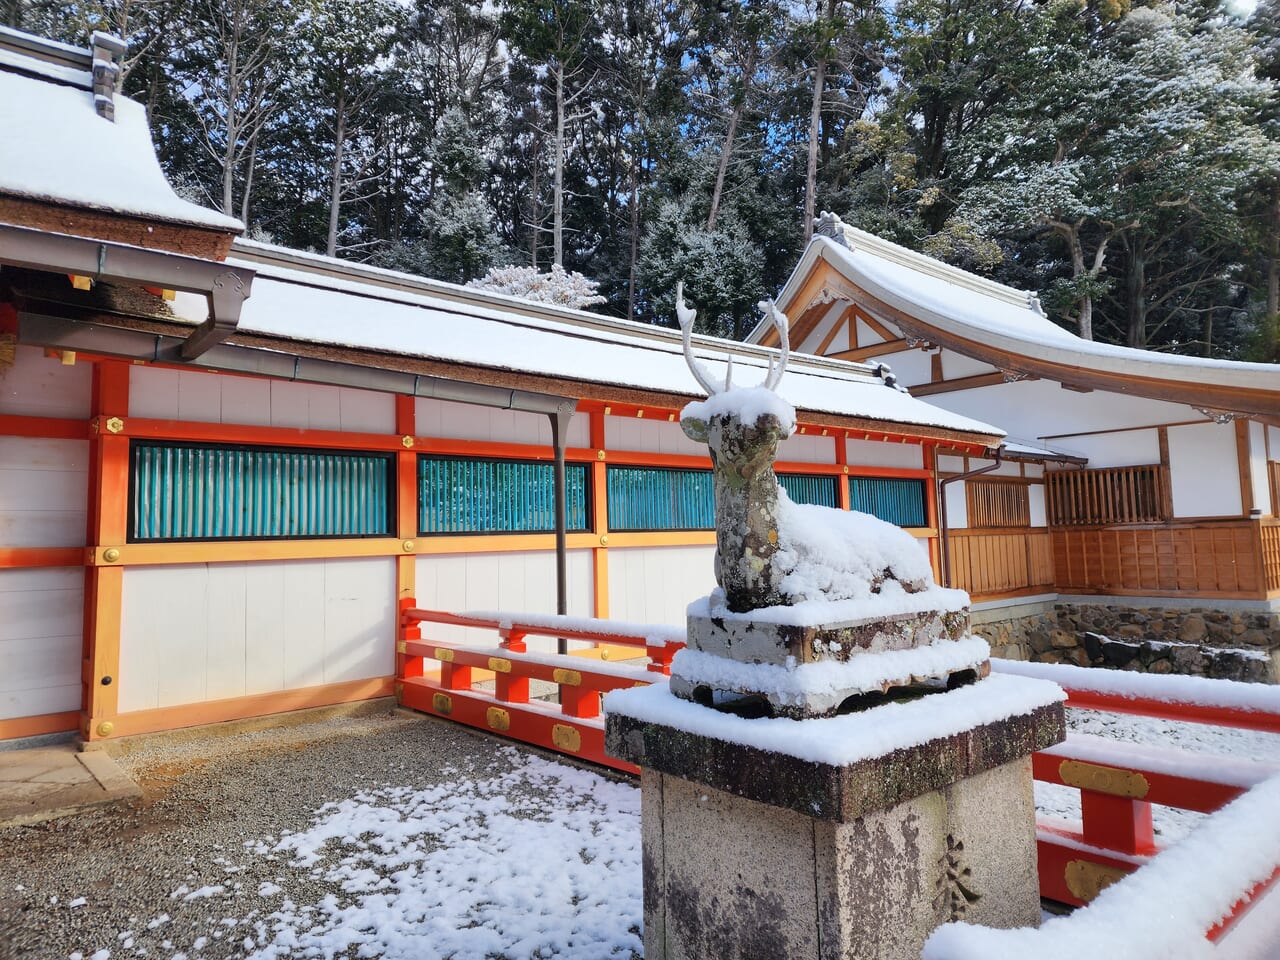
(604, 540)
(444, 655)
(114, 425)
(406, 441)
(499, 664)
(407, 546)
(599, 454)
(442, 703)
(111, 554)
(846, 469)
(569, 678)
(566, 737)
(106, 728)
(498, 719)
(401, 646)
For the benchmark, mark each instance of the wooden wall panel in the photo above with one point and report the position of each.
(999, 562)
(1208, 559)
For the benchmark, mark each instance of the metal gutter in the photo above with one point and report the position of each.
(225, 286)
(62, 334)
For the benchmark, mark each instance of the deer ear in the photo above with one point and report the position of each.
(695, 429)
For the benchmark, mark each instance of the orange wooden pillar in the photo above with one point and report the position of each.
(843, 500)
(407, 532)
(108, 518)
(600, 517)
(929, 459)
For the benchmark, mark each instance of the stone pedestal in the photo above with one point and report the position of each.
(758, 853)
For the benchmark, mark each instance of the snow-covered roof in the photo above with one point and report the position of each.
(55, 148)
(961, 307)
(312, 299)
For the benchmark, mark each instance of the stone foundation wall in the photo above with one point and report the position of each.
(1234, 645)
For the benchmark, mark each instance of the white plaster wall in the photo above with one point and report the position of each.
(1258, 467)
(807, 448)
(44, 488)
(950, 464)
(202, 632)
(40, 386)
(1130, 448)
(656, 584)
(911, 366)
(161, 394)
(878, 453)
(509, 582)
(41, 624)
(1273, 442)
(1035, 497)
(811, 343)
(649, 436)
(957, 506)
(469, 421)
(957, 365)
(867, 337)
(1204, 470)
(1041, 408)
(1034, 469)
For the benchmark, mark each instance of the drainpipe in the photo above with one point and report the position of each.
(559, 427)
(943, 538)
(61, 333)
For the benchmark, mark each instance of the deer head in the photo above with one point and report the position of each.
(712, 384)
(742, 455)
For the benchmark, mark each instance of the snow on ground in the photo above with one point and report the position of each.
(541, 862)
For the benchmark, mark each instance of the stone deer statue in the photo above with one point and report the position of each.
(746, 489)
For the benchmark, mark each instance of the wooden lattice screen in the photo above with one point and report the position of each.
(997, 503)
(1112, 495)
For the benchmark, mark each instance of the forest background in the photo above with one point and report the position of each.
(1123, 161)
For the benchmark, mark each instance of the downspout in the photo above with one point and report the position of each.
(559, 428)
(944, 539)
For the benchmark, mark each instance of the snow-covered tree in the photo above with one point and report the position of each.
(564, 288)
(1119, 144)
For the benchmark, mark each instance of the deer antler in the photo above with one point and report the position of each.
(709, 383)
(780, 323)
(685, 316)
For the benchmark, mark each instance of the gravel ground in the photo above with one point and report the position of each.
(106, 878)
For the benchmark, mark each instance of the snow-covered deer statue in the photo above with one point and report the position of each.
(742, 429)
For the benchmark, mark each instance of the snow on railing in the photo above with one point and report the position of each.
(1252, 706)
(460, 689)
(1180, 905)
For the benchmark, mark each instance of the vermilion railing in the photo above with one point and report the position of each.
(493, 688)
(496, 688)
(1119, 781)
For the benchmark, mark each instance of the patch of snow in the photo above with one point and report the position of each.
(747, 404)
(543, 861)
(847, 555)
(1168, 688)
(203, 893)
(56, 148)
(852, 737)
(298, 304)
(791, 684)
(1153, 912)
(77, 902)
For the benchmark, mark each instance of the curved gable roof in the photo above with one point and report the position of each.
(1006, 327)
